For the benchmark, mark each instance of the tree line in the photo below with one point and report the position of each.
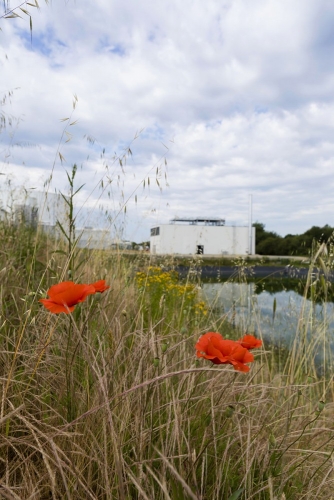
(271, 243)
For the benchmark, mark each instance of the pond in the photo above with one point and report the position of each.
(275, 316)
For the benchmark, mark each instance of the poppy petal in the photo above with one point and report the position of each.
(100, 286)
(64, 296)
(250, 342)
(73, 294)
(241, 367)
(59, 288)
(215, 348)
(56, 308)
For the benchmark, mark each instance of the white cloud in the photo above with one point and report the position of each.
(240, 93)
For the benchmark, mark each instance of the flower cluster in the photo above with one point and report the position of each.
(214, 347)
(66, 295)
(201, 308)
(155, 278)
(164, 286)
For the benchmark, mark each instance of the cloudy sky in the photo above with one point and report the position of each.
(217, 100)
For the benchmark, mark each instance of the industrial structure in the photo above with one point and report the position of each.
(100, 239)
(200, 235)
(50, 213)
(43, 210)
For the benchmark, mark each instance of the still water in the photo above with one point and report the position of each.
(274, 316)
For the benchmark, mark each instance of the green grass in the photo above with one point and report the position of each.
(203, 260)
(110, 402)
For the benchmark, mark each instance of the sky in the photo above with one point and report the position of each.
(217, 101)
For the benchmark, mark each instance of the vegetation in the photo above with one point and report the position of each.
(110, 401)
(164, 296)
(270, 243)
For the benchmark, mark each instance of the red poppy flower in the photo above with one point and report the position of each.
(212, 346)
(100, 286)
(65, 295)
(250, 342)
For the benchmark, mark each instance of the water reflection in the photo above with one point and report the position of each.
(252, 308)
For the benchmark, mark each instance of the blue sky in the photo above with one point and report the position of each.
(236, 96)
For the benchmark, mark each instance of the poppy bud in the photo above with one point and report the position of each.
(164, 347)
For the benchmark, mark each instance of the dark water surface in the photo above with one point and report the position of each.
(217, 272)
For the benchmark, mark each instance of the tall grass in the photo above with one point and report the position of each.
(109, 402)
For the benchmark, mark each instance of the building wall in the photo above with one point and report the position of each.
(35, 207)
(4, 215)
(100, 239)
(93, 238)
(51, 208)
(185, 239)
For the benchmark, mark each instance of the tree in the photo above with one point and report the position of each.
(270, 243)
(261, 236)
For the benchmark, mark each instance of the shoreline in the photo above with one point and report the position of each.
(251, 272)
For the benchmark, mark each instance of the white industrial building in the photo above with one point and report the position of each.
(42, 209)
(100, 239)
(49, 210)
(89, 237)
(207, 236)
(36, 209)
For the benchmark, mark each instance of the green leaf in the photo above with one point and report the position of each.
(236, 494)
(62, 252)
(65, 199)
(78, 190)
(62, 230)
(321, 405)
(69, 179)
(177, 490)
(80, 263)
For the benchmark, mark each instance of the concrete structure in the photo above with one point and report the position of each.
(4, 215)
(43, 210)
(26, 214)
(89, 237)
(100, 239)
(52, 207)
(208, 236)
(47, 210)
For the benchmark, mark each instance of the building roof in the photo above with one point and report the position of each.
(208, 221)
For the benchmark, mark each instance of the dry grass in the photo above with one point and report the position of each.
(104, 404)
